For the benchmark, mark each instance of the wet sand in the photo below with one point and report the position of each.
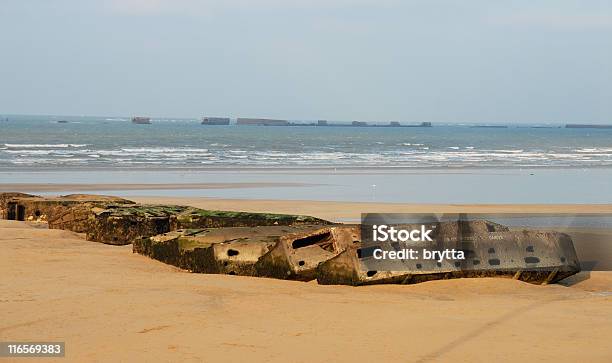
(383, 185)
(109, 304)
(55, 187)
(342, 211)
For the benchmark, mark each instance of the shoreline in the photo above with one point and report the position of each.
(365, 169)
(352, 210)
(476, 186)
(57, 187)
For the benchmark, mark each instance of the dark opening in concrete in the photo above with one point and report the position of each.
(12, 211)
(20, 213)
(494, 261)
(311, 240)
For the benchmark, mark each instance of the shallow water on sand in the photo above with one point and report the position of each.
(541, 186)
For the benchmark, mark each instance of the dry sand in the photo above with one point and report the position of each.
(109, 304)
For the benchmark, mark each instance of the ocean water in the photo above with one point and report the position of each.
(40, 142)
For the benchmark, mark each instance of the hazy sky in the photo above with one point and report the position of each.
(428, 60)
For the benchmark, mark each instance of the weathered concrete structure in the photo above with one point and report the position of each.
(141, 120)
(27, 207)
(299, 247)
(491, 250)
(231, 250)
(218, 121)
(8, 202)
(121, 225)
(297, 255)
(202, 218)
(118, 221)
(261, 122)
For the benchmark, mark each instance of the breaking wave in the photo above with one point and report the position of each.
(182, 144)
(418, 157)
(42, 146)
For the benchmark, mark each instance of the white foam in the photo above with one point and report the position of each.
(595, 150)
(510, 151)
(29, 152)
(42, 146)
(162, 150)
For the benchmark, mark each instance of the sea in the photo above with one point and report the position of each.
(106, 142)
(446, 163)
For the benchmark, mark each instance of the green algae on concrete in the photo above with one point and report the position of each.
(123, 224)
(118, 221)
(201, 218)
(120, 225)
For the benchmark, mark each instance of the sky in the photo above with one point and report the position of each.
(426, 60)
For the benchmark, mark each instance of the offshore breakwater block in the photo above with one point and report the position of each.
(228, 250)
(538, 257)
(296, 256)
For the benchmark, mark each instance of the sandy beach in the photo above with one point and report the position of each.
(372, 148)
(109, 304)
